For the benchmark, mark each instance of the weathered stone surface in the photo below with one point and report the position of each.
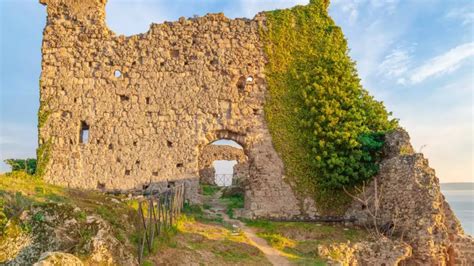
(411, 203)
(12, 242)
(57, 259)
(211, 153)
(54, 228)
(381, 252)
(152, 102)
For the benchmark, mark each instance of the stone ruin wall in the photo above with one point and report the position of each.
(411, 204)
(182, 85)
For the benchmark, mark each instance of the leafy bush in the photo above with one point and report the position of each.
(26, 165)
(324, 125)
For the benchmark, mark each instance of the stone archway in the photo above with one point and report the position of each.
(220, 152)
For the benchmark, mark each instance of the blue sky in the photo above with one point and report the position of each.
(415, 55)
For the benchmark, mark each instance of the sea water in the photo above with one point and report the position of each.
(460, 197)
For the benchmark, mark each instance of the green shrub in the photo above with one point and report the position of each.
(209, 190)
(325, 126)
(26, 165)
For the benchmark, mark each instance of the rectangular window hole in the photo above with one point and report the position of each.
(169, 144)
(179, 165)
(124, 98)
(155, 173)
(111, 146)
(84, 134)
(171, 184)
(127, 172)
(147, 100)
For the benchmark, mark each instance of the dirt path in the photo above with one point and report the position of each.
(273, 255)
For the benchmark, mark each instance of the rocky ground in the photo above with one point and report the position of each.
(48, 225)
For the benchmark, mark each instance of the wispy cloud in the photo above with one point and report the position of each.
(396, 63)
(443, 63)
(352, 7)
(465, 14)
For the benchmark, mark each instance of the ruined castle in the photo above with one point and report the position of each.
(123, 112)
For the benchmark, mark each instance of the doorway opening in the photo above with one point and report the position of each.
(218, 163)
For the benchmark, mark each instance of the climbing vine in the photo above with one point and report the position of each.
(325, 126)
(42, 153)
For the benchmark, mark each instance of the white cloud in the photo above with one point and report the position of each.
(465, 15)
(352, 7)
(443, 63)
(396, 63)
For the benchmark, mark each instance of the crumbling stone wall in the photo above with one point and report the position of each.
(411, 204)
(151, 102)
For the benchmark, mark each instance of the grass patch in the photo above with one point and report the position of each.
(233, 202)
(299, 240)
(209, 190)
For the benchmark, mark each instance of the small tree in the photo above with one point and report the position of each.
(26, 165)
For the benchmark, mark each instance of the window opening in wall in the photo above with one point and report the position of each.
(84, 134)
(124, 98)
(179, 165)
(147, 100)
(127, 172)
(117, 73)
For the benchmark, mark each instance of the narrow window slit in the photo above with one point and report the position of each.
(84, 133)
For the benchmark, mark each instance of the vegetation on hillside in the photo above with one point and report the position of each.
(33, 209)
(26, 165)
(299, 241)
(325, 126)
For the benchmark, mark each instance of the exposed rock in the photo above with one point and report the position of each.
(54, 228)
(58, 259)
(411, 204)
(380, 252)
(12, 242)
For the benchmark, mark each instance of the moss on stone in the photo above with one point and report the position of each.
(43, 156)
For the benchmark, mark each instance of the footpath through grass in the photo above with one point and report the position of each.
(299, 240)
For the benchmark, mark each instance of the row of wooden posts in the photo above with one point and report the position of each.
(158, 213)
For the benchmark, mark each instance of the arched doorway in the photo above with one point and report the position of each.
(222, 163)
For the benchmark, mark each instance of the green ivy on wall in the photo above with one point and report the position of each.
(325, 126)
